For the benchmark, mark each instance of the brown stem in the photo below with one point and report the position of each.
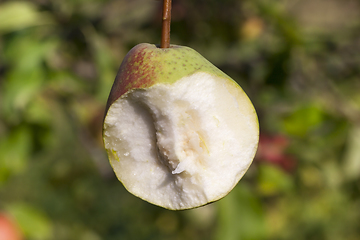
(166, 19)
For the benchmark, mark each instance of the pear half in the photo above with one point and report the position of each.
(179, 133)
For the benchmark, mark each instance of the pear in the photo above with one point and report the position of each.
(179, 132)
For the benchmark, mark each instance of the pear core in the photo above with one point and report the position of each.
(184, 144)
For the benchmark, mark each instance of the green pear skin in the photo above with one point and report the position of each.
(146, 65)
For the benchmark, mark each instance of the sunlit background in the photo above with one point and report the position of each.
(299, 62)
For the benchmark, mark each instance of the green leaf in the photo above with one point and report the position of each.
(241, 216)
(33, 223)
(16, 15)
(26, 75)
(29, 50)
(303, 120)
(15, 149)
(104, 63)
(273, 180)
(19, 90)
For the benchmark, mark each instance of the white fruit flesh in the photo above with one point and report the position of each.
(182, 145)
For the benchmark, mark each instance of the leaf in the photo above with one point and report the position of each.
(14, 152)
(303, 120)
(272, 180)
(28, 50)
(19, 90)
(33, 223)
(104, 63)
(16, 15)
(241, 216)
(26, 76)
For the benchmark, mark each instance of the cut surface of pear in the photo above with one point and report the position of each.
(178, 143)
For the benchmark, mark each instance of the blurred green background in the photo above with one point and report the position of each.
(299, 62)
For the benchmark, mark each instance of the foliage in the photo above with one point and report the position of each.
(297, 60)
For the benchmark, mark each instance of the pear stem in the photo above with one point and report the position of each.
(166, 20)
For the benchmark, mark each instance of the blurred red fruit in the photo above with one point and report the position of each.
(8, 229)
(272, 150)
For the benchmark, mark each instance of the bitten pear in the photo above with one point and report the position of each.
(179, 132)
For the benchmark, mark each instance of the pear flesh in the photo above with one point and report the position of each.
(183, 144)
